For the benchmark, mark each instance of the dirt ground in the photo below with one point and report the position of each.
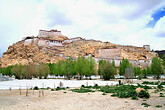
(59, 100)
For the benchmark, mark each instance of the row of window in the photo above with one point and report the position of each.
(55, 41)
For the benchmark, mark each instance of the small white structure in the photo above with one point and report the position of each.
(141, 60)
(73, 39)
(51, 33)
(146, 47)
(28, 42)
(42, 42)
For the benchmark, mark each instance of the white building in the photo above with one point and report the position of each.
(51, 33)
(54, 43)
(73, 39)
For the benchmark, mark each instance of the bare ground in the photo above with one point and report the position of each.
(58, 100)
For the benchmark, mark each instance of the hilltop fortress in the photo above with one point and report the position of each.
(51, 46)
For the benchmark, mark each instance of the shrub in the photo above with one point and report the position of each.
(104, 94)
(60, 88)
(35, 88)
(113, 95)
(158, 106)
(48, 87)
(145, 87)
(82, 90)
(143, 94)
(151, 83)
(162, 83)
(134, 97)
(52, 89)
(121, 91)
(161, 95)
(82, 86)
(145, 104)
(160, 87)
(96, 85)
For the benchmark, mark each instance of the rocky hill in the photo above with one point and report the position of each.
(51, 47)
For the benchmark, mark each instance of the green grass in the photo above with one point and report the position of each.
(161, 95)
(134, 98)
(125, 91)
(151, 83)
(145, 104)
(59, 88)
(158, 106)
(82, 90)
(104, 94)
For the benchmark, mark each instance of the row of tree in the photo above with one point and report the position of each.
(69, 67)
(26, 71)
(81, 67)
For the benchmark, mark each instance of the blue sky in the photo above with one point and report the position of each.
(127, 22)
(156, 17)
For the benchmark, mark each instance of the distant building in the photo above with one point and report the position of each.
(51, 33)
(73, 39)
(146, 47)
(54, 43)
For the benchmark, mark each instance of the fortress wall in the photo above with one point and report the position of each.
(73, 39)
(108, 53)
(43, 33)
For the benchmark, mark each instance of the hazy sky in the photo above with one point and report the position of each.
(126, 22)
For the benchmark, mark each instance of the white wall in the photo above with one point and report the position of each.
(54, 43)
(48, 34)
(28, 41)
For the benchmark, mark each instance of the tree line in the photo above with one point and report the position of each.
(68, 68)
(83, 67)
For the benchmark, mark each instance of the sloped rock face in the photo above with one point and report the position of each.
(30, 52)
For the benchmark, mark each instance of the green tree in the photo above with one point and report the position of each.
(107, 70)
(149, 70)
(123, 65)
(44, 70)
(163, 58)
(51, 66)
(100, 66)
(17, 71)
(28, 71)
(80, 66)
(113, 63)
(144, 72)
(139, 72)
(69, 69)
(156, 66)
(135, 71)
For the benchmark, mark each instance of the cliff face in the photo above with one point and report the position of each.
(35, 50)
